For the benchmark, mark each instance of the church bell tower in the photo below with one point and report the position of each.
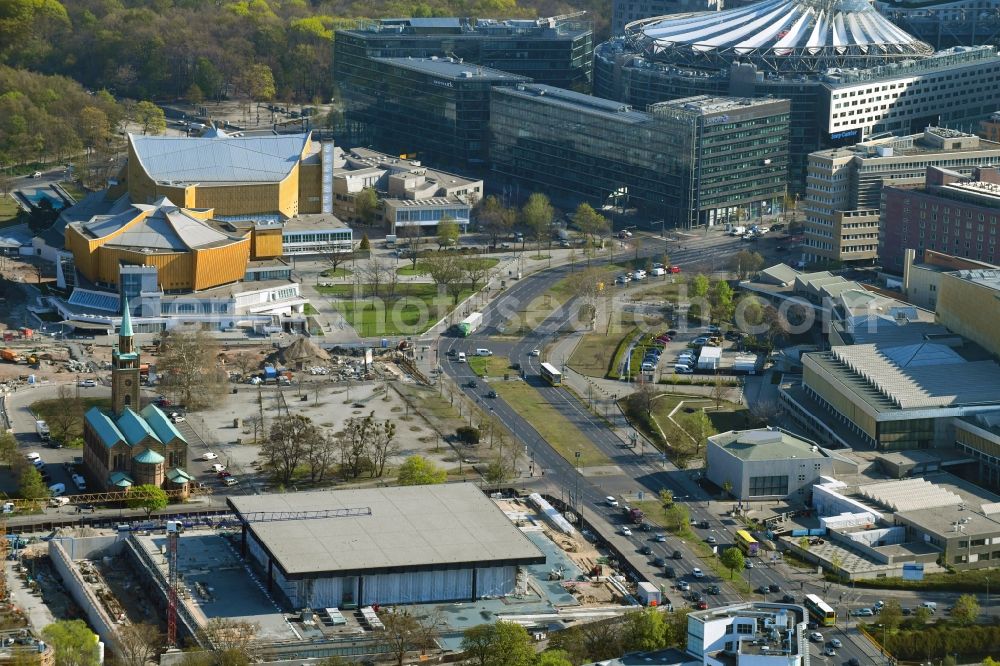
(125, 367)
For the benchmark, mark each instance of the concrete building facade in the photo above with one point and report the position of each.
(765, 464)
(844, 186)
(922, 280)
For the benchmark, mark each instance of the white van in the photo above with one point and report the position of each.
(58, 501)
(612, 502)
(461, 357)
(639, 275)
(484, 352)
(57, 489)
(230, 481)
(930, 605)
(657, 272)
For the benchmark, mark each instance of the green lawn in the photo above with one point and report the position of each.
(310, 310)
(555, 428)
(421, 268)
(73, 188)
(411, 311)
(8, 208)
(594, 354)
(490, 366)
(45, 410)
(339, 272)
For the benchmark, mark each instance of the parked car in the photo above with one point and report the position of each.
(208, 455)
(675, 269)
(218, 467)
(700, 342)
(79, 482)
(57, 489)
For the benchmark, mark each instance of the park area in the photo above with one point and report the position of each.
(409, 309)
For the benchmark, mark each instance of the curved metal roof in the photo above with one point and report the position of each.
(822, 33)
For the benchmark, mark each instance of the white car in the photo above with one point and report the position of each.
(612, 502)
(626, 531)
(218, 467)
(208, 456)
(830, 652)
(697, 573)
(176, 418)
(684, 586)
(816, 636)
(33, 456)
(535, 352)
(835, 642)
(748, 564)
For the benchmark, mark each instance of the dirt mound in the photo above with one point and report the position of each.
(303, 352)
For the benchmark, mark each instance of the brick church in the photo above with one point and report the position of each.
(130, 444)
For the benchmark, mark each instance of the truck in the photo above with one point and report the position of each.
(636, 516)
(745, 363)
(710, 358)
(469, 325)
(270, 373)
(10, 356)
(648, 594)
(737, 231)
(42, 428)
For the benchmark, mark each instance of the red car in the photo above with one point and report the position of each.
(702, 605)
(223, 474)
(664, 339)
(675, 269)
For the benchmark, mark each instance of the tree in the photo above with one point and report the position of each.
(643, 399)
(570, 642)
(365, 245)
(447, 231)
(677, 622)
(8, 447)
(499, 644)
(31, 485)
(194, 94)
(137, 644)
(891, 614)
(922, 615)
(666, 498)
(749, 313)
(699, 286)
(376, 272)
(418, 471)
(722, 301)
(287, 442)
(383, 444)
(258, 82)
(189, 370)
(150, 117)
(413, 234)
(746, 264)
(366, 205)
(66, 422)
(591, 223)
(966, 609)
(233, 642)
(495, 220)
(675, 517)
(537, 214)
(319, 453)
(405, 632)
(477, 271)
(556, 658)
(94, 127)
(245, 362)
(732, 558)
(73, 643)
(446, 270)
(645, 630)
(719, 390)
(149, 498)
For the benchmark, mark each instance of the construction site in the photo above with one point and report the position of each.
(278, 568)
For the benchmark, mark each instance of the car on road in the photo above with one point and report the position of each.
(748, 564)
(853, 661)
(471, 384)
(788, 599)
(762, 589)
(830, 652)
(675, 269)
(451, 352)
(863, 612)
(677, 555)
(208, 455)
(491, 394)
(37, 174)
(230, 481)
(660, 562)
(697, 573)
(223, 474)
(683, 586)
(711, 540)
(218, 467)
(835, 642)
(774, 587)
(702, 605)
(535, 352)
(713, 589)
(626, 531)
(86, 383)
(660, 538)
(816, 636)
(645, 550)
(612, 502)
(669, 572)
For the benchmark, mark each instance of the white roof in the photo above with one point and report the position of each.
(782, 28)
(218, 159)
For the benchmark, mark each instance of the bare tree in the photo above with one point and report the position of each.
(719, 390)
(189, 370)
(477, 271)
(446, 271)
(320, 454)
(375, 272)
(382, 445)
(66, 422)
(232, 641)
(413, 234)
(256, 425)
(405, 632)
(353, 445)
(767, 410)
(643, 398)
(137, 644)
(245, 362)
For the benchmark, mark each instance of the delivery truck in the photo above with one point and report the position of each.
(469, 325)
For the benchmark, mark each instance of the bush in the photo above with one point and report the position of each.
(468, 434)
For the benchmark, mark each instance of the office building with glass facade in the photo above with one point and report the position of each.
(690, 162)
(554, 51)
(434, 109)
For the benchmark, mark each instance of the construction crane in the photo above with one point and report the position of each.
(175, 527)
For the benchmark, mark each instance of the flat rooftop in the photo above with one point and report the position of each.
(452, 69)
(409, 528)
(984, 278)
(361, 160)
(569, 100)
(948, 519)
(706, 104)
(913, 145)
(766, 444)
(313, 222)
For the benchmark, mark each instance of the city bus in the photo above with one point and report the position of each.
(550, 374)
(747, 543)
(820, 610)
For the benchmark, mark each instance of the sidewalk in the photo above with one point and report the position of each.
(34, 608)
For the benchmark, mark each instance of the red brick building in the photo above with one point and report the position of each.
(950, 213)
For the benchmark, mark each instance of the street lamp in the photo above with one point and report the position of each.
(576, 495)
